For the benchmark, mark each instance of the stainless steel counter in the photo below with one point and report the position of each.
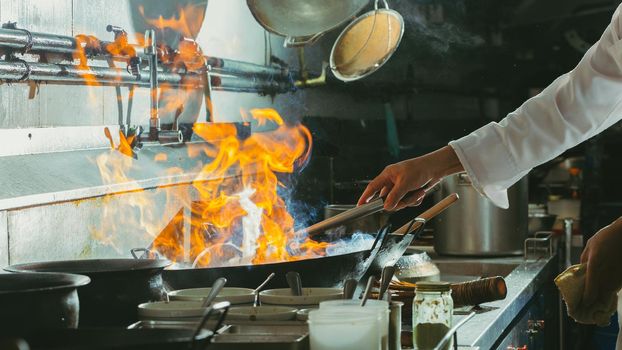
(523, 278)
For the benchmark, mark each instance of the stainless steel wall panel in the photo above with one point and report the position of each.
(16, 109)
(81, 229)
(71, 105)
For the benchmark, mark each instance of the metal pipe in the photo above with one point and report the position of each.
(12, 71)
(233, 67)
(18, 39)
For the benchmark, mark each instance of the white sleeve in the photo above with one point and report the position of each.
(575, 107)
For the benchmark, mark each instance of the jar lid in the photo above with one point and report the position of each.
(433, 286)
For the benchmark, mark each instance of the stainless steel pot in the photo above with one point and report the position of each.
(303, 21)
(474, 226)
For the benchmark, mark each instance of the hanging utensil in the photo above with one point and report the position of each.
(260, 287)
(294, 282)
(370, 283)
(385, 279)
(303, 21)
(367, 43)
(213, 293)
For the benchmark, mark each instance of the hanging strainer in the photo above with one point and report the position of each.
(366, 43)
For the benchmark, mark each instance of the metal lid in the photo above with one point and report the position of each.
(432, 286)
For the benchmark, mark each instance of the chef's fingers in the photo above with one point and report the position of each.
(374, 186)
(411, 199)
(431, 184)
(385, 191)
(395, 196)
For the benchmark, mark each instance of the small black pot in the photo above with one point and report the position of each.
(39, 300)
(117, 287)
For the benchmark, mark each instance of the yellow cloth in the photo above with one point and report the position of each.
(571, 284)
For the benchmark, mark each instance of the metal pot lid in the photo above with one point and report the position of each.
(366, 44)
(33, 282)
(92, 266)
(303, 18)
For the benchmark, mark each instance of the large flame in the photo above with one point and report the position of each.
(236, 213)
(232, 212)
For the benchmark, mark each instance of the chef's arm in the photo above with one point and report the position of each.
(575, 107)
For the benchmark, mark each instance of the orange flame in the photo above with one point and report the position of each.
(232, 212)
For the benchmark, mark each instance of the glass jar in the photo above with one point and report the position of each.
(432, 314)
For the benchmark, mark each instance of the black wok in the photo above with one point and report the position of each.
(39, 300)
(326, 271)
(117, 287)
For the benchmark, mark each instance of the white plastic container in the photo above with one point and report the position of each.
(341, 329)
(381, 306)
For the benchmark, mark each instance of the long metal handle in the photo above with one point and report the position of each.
(428, 214)
(345, 217)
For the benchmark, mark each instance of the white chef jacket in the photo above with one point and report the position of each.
(575, 107)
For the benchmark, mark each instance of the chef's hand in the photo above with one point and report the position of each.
(405, 183)
(603, 256)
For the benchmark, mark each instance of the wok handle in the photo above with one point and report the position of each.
(428, 214)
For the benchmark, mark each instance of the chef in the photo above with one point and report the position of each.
(575, 107)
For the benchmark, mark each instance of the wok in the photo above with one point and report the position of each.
(39, 300)
(326, 271)
(117, 286)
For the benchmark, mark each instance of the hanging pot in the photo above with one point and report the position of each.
(302, 22)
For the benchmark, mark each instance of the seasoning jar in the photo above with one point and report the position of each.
(432, 314)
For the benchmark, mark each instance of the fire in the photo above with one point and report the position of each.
(236, 213)
(247, 208)
(233, 211)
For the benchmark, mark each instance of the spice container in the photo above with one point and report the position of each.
(432, 314)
